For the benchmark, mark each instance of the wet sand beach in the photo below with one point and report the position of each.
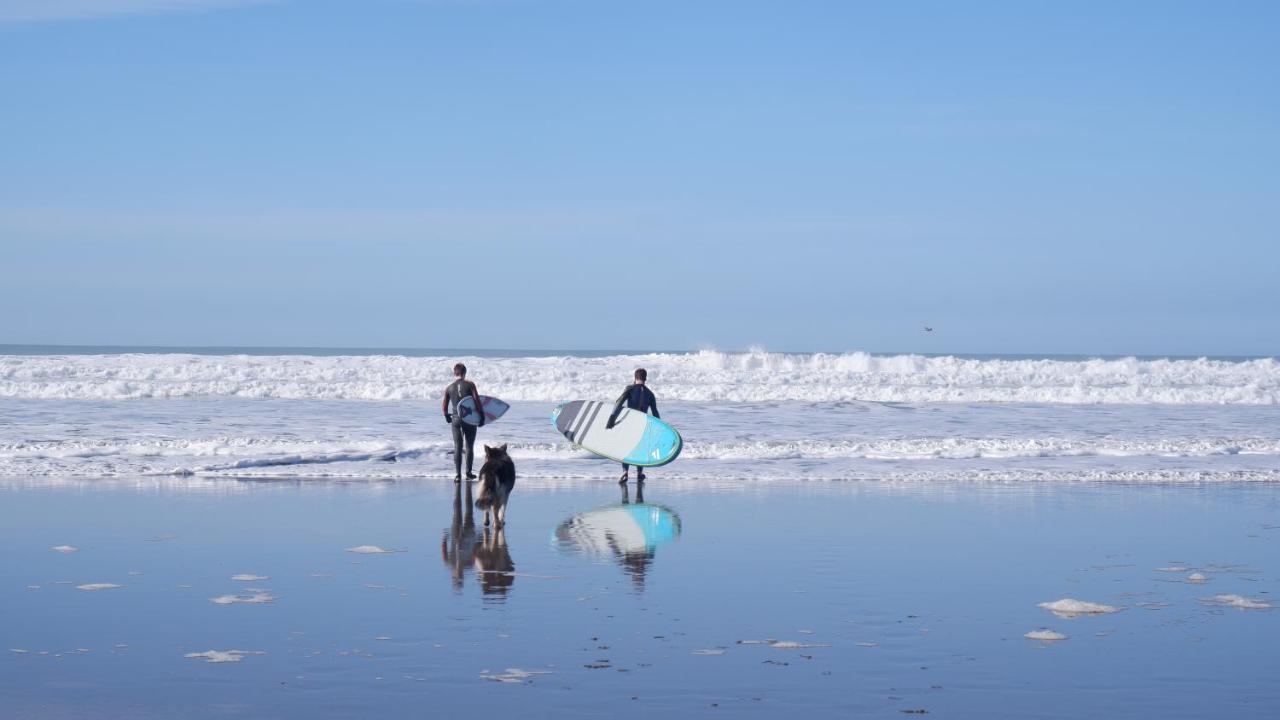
(232, 598)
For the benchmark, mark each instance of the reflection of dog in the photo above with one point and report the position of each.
(494, 566)
(497, 480)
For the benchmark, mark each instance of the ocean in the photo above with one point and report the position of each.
(745, 416)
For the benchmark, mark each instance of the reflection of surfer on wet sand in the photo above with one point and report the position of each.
(629, 532)
(458, 545)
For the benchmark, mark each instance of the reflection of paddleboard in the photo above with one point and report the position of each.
(637, 528)
(493, 409)
(636, 438)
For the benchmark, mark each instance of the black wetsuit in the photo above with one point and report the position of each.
(457, 390)
(636, 397)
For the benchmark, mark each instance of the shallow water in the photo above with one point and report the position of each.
(1007, 442)
(911, 596)
(755, 415)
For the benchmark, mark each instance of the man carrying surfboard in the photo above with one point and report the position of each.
(637, 397)
(460, 388)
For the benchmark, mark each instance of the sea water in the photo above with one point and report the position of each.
(754, 415)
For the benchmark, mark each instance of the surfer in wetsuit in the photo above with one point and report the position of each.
(636, 397)
(453, 394)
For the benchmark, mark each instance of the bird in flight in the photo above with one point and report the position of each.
(928, 329)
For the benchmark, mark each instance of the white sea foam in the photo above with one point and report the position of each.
(248, 455)
(512, 675)
(702, 376)
(1071, 608)
(1238, 601)
(223, 656)
(257, 598)
(370, 550)
(1045, 635)
(793, 645)
(65, 549)
(93, 587)
(248, 577)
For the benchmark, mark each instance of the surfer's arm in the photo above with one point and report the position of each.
(444, 406)
(653, 405)
(475, 395)
(617, 408)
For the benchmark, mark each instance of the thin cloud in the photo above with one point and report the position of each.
(30, 11)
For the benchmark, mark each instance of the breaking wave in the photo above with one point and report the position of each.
(706, 376)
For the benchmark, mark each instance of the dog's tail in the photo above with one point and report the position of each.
(484, 498)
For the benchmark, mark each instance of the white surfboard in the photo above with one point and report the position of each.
(493, 409)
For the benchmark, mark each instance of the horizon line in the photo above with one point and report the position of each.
(121, 349)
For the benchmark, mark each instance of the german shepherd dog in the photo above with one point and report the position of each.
(497, 480)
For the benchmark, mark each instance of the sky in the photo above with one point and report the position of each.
(1081, 178)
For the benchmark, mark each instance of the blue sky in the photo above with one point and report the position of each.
(1024, 177)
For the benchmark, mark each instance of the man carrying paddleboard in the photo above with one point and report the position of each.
(453, 394)
(636, 397)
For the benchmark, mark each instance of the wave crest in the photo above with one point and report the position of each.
(705, 376)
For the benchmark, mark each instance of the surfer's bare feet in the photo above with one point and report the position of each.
(457, 478)
(639, 477)
(623, 481)
(471, 476)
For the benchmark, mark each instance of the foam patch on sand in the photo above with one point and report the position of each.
(709, 651)
(261, 598)
(223, 656)
(1237, 601)
(1045, 635)
(91, 587)
(793, 645)
(65, 549)
(1069, 608)
(512, 675)
(371, 550)
(246, 577)
(1197, 578)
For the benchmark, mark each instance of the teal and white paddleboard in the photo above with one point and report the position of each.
(636, 438)
(633, 528)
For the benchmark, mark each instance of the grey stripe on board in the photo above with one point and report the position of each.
(591, 420)
(580, 420)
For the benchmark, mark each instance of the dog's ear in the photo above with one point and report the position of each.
(503, 448)
(487, 449)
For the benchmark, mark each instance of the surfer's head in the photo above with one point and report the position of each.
(460, 370)
(641, 375)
